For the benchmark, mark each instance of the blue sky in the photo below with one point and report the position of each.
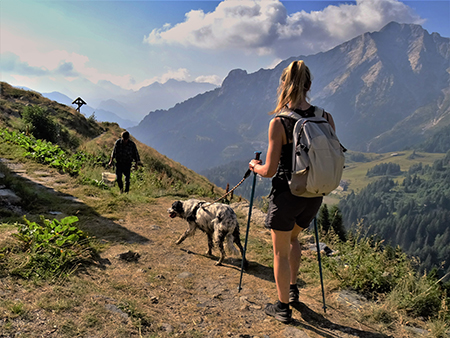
(97, 49)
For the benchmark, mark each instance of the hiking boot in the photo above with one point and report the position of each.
(293, 296)
(284, 316)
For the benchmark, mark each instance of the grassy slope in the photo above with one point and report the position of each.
(90, 136)
(355, 172)
(13, 101)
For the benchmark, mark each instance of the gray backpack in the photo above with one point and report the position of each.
(317, 156)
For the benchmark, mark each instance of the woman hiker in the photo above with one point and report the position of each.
(287, 215)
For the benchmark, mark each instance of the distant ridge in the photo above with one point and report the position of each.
(128, 109)
(100, 114)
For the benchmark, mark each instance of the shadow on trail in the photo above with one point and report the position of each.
(254, 268)
(315, 321)
(229, 262)
(260, 271)
(99, 226)
(54, 204)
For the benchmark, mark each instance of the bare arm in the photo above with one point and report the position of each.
(276, 134)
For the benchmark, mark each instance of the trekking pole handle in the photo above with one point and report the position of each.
(257, 155)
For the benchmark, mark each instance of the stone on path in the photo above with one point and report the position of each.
(185, 275)
(115, 309)
(129, 256)
(9, 195)
(351, 299)
(292, 332)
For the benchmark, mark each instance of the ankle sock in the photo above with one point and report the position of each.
(282, 306)
(293, 287)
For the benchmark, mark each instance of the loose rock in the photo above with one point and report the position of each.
(129, 256)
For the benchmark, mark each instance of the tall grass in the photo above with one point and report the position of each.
(389, 277)
(419, 295)
(366, 265)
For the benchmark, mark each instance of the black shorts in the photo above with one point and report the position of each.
(286, 210)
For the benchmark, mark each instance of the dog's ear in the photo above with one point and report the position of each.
(177, 206)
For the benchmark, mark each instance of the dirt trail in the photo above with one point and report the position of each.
(178, 287)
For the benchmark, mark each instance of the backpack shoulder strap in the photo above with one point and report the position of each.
(320, 112)
(285, 128)
(285, 115)
(289, 113)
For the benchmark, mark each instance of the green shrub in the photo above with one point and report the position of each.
(51, 154)
(358, 157)
(384, 169)
(92, 117)
(366, 265)
(40, 123)
(382, 272)
(54, 248)
(96, 183)
(439, 328)
(156, 165)
(418, 295)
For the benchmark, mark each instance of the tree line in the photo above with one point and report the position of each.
(414, 213)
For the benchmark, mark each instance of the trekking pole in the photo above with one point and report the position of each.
(257, 154)
(320, 263)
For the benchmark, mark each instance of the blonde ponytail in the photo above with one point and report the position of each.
(295, 82)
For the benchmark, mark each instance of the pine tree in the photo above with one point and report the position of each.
(337, 224)
(324, 219)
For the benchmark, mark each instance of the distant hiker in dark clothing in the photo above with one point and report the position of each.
(125, 152)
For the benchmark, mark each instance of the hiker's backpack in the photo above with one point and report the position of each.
(317, 155)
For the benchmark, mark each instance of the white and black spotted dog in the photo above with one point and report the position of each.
(217, 220)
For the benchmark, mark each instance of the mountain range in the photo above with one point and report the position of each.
(386, 90)
(100, 114)
(128, 108)
(159, 96)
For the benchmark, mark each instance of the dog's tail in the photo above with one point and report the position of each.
(231, 240)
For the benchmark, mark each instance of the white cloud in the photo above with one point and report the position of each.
(11, 63)
(274, 63)
(180, 74)
(43, 61)
(236, 24)
(61, 66)
(214, 79)
(35, 55)
(264, 27)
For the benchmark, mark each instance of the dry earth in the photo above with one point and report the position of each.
(176, 291)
